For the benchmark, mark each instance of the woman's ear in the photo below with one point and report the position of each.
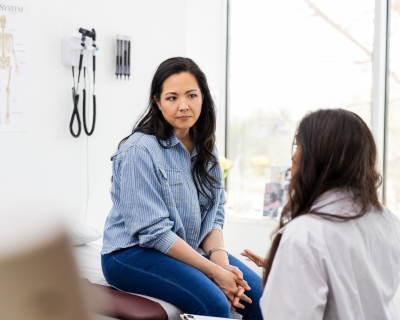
(157, 101)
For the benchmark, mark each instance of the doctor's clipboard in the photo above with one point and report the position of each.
(186, 316)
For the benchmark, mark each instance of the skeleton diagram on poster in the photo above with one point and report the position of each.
(13, 68)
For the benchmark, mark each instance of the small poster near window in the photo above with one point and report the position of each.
(275, 195)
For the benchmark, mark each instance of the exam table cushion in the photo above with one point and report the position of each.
(89, 265)
(88, 260)
(121, 305)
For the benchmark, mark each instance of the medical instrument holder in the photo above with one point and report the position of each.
(71, 49)
(80, 52)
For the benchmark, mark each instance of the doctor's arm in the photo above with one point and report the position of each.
(258, 260)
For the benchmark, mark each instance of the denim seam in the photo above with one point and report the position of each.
(131, 267)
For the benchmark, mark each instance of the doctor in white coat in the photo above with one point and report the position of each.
(337, 252)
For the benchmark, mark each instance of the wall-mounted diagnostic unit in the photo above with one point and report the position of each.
(80, 52)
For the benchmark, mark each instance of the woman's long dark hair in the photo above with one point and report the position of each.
(152, 122)
(337, 150)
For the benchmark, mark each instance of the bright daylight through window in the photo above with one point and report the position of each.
(287, 58)
(393, 120)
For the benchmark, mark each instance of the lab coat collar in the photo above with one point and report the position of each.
(331, 197)
(336, 201)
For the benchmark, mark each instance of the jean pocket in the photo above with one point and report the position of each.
(171, 186)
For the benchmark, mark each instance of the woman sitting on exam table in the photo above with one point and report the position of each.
(337, 252)
(163, 237)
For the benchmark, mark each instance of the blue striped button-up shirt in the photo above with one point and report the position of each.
(155, 200)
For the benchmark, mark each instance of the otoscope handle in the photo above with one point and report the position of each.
(80, 61)
(80, 66)
(94, 69)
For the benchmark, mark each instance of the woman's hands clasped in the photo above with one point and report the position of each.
(240, 295)
(230, 280)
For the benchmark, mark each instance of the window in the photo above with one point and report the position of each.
(287, 58)
(392, 178)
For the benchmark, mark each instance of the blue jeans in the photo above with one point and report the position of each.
(152, 273)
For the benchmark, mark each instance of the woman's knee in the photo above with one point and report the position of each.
(214, 308)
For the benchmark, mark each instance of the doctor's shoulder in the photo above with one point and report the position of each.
(307, 229)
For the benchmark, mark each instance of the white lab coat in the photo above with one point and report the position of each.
(335, 270)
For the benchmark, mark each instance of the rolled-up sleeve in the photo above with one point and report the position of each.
(137, 195)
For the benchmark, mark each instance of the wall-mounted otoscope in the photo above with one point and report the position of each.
(91, 34)
(76, 52)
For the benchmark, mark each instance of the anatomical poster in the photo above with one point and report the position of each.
(13, 67)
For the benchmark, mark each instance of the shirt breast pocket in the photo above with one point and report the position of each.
(171, 181)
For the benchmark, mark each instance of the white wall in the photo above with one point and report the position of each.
(44, 169)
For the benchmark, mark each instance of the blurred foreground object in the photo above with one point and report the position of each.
(38, 276)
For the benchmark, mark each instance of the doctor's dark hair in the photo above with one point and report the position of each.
(152, 122)
(336, 150)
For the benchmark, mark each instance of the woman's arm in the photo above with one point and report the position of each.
(215, 239)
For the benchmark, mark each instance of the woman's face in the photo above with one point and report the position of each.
(295, 158)
(181, 101)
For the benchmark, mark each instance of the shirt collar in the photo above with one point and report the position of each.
(194, 153)
(171, 141)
